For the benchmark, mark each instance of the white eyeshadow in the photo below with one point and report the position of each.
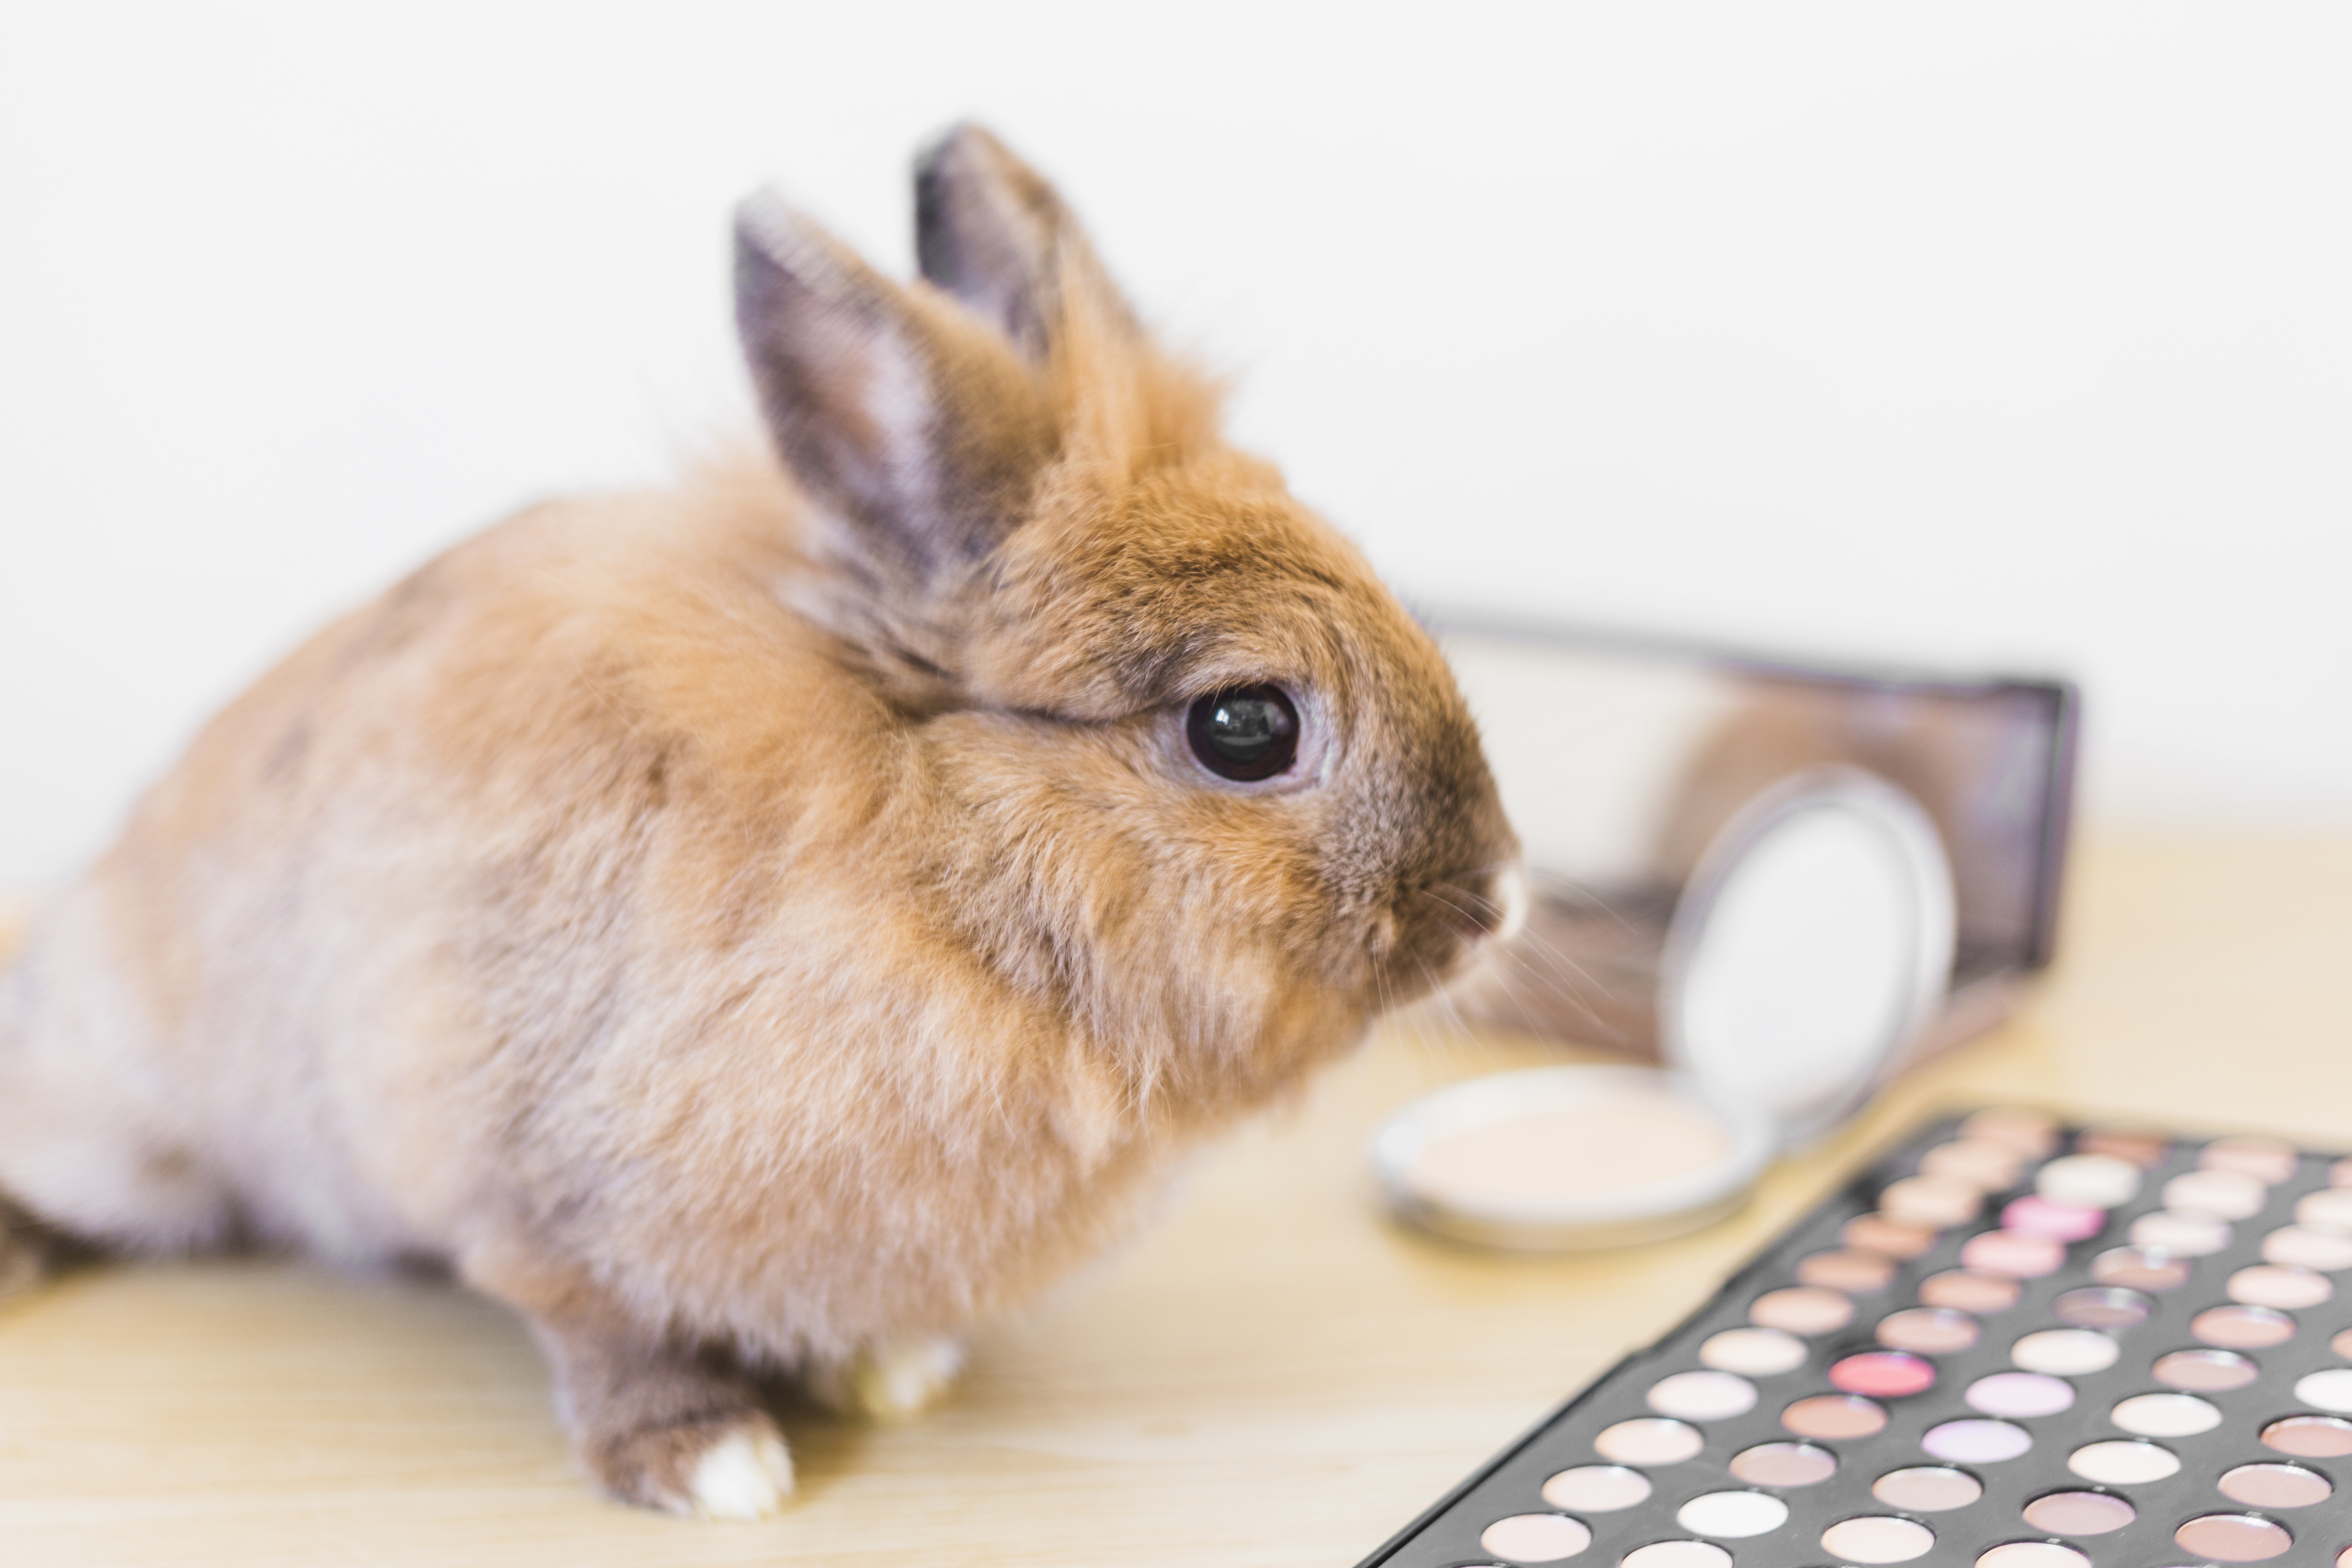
(1703, 1396)
(2065, 1353)
(2166, 1415)
(2090, 1181)
(1754, 1352)
(2330, 1390)
(1732, 1515)
(2121, 1464)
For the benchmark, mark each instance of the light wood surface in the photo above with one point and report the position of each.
(1271, 1375)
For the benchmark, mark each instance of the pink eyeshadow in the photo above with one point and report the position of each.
(2243, 1327)
(2271, 1285)
(2034, 1214)
(2276, 1486)
(2007, 1252)
(1886, 1374)
(2233, 1537)
(2205, 1371)
(2310, 1437)
(1855, 1273)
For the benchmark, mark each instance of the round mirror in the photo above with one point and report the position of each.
(1809, 949)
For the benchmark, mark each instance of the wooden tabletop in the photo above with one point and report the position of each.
(1271, 1375)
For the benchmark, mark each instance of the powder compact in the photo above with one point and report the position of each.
(2009, 1344)
(1808, 950)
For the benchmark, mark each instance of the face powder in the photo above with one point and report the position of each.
(1559, 1158)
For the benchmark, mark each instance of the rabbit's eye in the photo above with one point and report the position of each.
(1249, 733)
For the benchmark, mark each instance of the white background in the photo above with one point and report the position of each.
(2010, 334)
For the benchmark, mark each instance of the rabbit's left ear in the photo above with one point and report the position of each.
(992, 232)
(915, 429)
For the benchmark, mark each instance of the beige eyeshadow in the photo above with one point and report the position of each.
(2147, 1149)
(2288, 1289)
(1964, 1290)
(2243, 1327)
(1832, 1417)
(1784, 1465)
(1801, 1309)
(2329, 1206)
(2118, 1463)
(2233, 1537)
(2010, 1253)
(2276, 1486)
(2184, 1231)
(1927, 1489)
(1927, 1330)
(1536, 1537)
(2079, 1513)
(2030, 1132)
(2310, 1437)
(2205, 1371)
(1876, 1233)
(1753, 1352)
(2140, 1269)
(1596, 1488)
(2308, 1246)
(2267, 1159)
(1583, 1150)
(1648, 1441)
(1855, 1272)
(1875, 1537)
(1979, 1162)
(1935, 1200)
(2228, 1194)
(2342, 1345)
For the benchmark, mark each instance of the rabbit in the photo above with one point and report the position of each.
(766, 926)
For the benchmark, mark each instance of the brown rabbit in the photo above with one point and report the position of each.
(769, 924)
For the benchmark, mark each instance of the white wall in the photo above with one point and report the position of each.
(1986, 332)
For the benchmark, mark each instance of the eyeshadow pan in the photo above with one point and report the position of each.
(1884, 1375)
(2234, 1537)
(1648, 1440)
(2330, 1390)
(1855, 1273)
(2342, 1345)
(1596, 1488)
(1927, 1489)
(2230, 1195)
(2140, 1269)
(2310, 1437)
(1937, 1201)
(2264, 1159)
(2142, 1148)
(2205, 1371)
(2034, 1214)
(2065, 1353)
(2007, 1252)
(2032, 1554)
(2079, 1513)
(1677, 1555)
(2243, 1327)
(2102, 1307)
(1977, 1441)
(2030, 1132)
(2283, 1286)
(1704, 1395)
(2097, 1181)
(1536, 1537)
(2328, 1206)
(1833, 1416)
(2165, 1415)
(1979, 1162)
(1877, 1537)
(1927, 1330)
(1891, 1238)
(1756, 1352)
(2020, 1395)
(1805, 1310)
(2117, 1463)
(1732, 1515)
(1964, 1290)
(1784, 1465)
(2276, 1486)
(2308, 1246)
(2339, 1175)
(2184, 1231)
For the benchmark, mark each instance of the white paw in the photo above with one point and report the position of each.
(892, 1382)
(744, 1475)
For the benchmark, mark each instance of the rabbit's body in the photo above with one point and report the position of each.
(770, 923)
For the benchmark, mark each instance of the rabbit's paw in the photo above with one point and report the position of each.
(735, 1468)
(894, 1381)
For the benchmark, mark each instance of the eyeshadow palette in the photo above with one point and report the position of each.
(2009, 1344)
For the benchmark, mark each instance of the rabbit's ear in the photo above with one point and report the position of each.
(909, 423)
(992, 232)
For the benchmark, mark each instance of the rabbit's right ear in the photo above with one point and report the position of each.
(916, 429)
(990, 231)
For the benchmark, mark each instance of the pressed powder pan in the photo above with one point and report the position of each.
(1810, 948)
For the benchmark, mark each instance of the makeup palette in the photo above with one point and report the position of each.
(2009, 1344)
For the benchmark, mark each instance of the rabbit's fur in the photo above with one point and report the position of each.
(774, 923)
